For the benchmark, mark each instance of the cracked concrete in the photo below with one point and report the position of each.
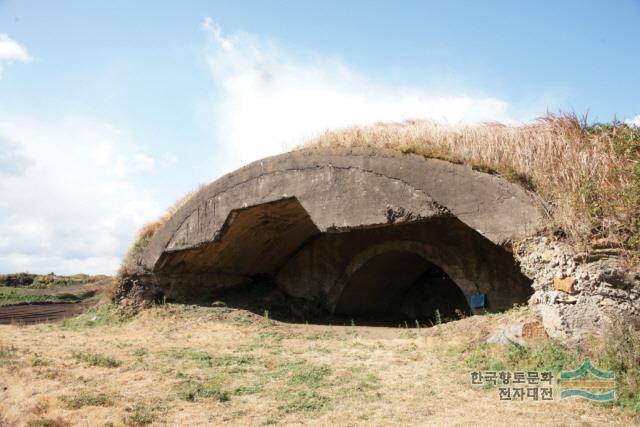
(301, 218)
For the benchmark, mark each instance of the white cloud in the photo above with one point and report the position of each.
(10, 50)
(269, 101)
(72, 203)
(634, 121)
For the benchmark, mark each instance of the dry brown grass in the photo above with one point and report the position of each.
(213, 366)
(588, 175)
(146, 232)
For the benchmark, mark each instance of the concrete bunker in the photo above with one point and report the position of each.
(355, 232)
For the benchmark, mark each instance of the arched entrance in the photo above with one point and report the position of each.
(401, 285)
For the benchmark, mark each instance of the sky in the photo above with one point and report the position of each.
(111, 111)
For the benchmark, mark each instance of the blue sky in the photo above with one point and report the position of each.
(110, 111)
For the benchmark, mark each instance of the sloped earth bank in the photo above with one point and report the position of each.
(192, 366)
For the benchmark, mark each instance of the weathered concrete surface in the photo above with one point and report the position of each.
(310, 219)
(326, 267)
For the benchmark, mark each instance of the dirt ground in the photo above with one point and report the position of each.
(29, 313)
(38, 313)
(197, 366)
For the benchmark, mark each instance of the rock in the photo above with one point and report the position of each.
(507, 335)
(605, 244)
(534, 331)
(583, 293)
(547, 255)
(566, 284)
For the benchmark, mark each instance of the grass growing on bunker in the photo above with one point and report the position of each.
(589, 175)
(147, 231)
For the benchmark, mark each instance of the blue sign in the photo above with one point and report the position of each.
(477, 300)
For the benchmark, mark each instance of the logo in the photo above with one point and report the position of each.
(587, 382)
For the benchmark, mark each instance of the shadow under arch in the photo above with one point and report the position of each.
(399, 280)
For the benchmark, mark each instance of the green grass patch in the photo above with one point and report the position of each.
(82, 399)
(622, 355)
(8, 354)
(101, 315)
(550, 356)
(301, 388)
(207, 360)
(319, 336)
(8, 351)
(303, 373)
(96, 359)
(618, 352)
(304, 401)
(40, 362)
(143, 413)
(10, 296)
(48, 422)
(140, 352)
(364, 380)
(311, 376)
(192, 390)
(252, 389)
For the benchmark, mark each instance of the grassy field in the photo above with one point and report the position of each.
(60, 294)
(186, 365)
(11, 295)
(46, 281)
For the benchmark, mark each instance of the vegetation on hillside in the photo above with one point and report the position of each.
(588, 174)
(48, 281)
(10, 295)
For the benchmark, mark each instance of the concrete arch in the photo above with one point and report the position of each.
(321, 268)
(351, 188)
(299, 218)
(396, 283)
(427, 252)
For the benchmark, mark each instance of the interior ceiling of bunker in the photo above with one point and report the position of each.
(279, 240)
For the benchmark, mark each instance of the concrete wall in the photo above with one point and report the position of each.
(308, 218)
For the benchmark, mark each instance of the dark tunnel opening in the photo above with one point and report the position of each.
(395, 288)
(399, 286)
